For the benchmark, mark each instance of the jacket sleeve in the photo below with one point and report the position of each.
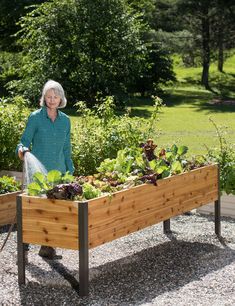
(27, 136)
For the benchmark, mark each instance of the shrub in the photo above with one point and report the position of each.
(100, 134)
(13, 117)
(224, 155)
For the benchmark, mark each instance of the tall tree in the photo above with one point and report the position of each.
(223, 29)
(205, 31)
(198, 18)
(213, 21)
(158, 66)
(91, 46)
(10, 13)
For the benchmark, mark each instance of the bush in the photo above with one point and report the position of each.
(13, 117)
(100, 134)
(9, 63)
(224, 155)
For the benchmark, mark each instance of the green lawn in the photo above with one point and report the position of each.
(185, 117)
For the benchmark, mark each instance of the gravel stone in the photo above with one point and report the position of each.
(189, 266)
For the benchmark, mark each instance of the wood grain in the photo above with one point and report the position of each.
(50, 222)
(55, 222)
(8, 207)
(145, 205)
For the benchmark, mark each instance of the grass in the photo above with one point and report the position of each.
(185, 117)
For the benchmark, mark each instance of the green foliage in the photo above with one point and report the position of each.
(9, 184)
(132, 166)
(100, 134)
(90, 191)
(89, 46)
(43, 183)
(158, 70)
(12, 122)
(225, 157)
(10, 13)
(127, 160)
(167, 162)
(9, 63)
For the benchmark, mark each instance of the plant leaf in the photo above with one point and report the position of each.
(174, 149)
(68, 178)
(54, 177)
(176, 167)
(182, 150)
(34, 189)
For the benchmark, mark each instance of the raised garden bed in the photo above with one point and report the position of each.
(9, 189)
(8, 208)
(84, 225)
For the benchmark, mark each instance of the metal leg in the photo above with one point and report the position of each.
(20, 244)
(218, 209)
(83, 249)
(167, 226)
(217, 218)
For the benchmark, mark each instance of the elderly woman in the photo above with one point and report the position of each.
(48, 134)
(48, 130)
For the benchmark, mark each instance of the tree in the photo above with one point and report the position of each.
(197, 16)
(90, 46)
(158, 66)
(213, 21)
(10, 13)
(223, 29)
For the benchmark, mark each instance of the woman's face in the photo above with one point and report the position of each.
(52, 100)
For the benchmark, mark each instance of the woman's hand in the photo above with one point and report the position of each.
(22, 151)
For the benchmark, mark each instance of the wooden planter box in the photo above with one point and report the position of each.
(8, 207)
(83, 225)
(227, 207)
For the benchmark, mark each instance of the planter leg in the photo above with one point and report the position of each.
(83, 250)
(20, 244)
(218, 209)
(167, 226)
(217, 218)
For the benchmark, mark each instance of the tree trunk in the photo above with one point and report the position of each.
(205, 49)
(220, 39)
(221, 53)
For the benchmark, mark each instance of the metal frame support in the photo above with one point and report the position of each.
(83, 249)
(20, 244)
(218, 209)
(167, 226)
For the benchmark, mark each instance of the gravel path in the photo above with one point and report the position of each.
(188, 267)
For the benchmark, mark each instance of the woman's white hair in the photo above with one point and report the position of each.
(58, 89)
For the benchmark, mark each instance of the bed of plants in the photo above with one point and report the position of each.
(9, 184)
(132, 166)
